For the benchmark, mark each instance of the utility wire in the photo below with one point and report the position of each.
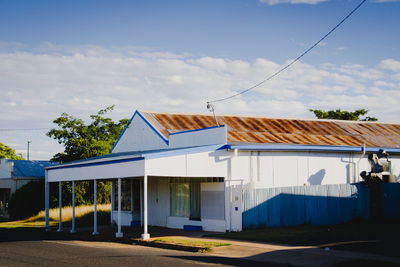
(26, 130)
(294, 61)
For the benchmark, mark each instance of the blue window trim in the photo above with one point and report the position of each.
(196, 130)
(147, 122)
(95, 163)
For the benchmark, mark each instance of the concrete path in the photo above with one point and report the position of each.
(284, 254)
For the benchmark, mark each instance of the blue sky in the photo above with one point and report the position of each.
(80, 56)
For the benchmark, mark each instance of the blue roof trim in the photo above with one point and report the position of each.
(129, 123)
(95, 163)
(196, 130)
(147, 122)
(312, 148)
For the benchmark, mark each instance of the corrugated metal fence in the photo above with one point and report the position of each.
(320, 204)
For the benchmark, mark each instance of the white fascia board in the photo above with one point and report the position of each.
(199, 137)
(93, 161)
(101, 170)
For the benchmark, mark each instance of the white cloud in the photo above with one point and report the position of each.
(390, 64)
(275, 2)
(38, 85)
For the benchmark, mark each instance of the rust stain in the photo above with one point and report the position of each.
(283, 131)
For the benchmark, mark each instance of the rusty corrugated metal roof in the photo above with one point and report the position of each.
(260, 130)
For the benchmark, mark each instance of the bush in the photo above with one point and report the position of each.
(27, 201)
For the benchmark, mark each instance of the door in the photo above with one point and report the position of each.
(236, 206)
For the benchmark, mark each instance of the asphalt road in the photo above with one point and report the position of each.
(84, 253)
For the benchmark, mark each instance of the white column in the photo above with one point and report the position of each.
(112, 201)
(95, 208)
(145, 234)
(60, 207)
(73, 208)
(141, 202)
(119, 233)
(46, 202)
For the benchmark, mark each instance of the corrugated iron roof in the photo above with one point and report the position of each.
(260, 130)
(30, 168)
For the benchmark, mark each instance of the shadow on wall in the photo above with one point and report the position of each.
(316, 179)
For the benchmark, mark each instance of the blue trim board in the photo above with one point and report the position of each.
(311, 148)
(95, 163)
(147, 122)
(196, 130)
(129, 123)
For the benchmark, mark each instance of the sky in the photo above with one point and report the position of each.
(173, 56)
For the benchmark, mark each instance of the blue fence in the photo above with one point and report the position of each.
(319, 204)
(391, 200)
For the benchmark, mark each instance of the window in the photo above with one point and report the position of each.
(185, 199)
(136, 195)
(125, 195)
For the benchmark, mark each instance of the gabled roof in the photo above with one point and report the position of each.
(29, 168)
(262, 130)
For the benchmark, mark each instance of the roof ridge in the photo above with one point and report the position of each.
(272, 118)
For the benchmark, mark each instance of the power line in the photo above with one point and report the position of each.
(294, 61)
(26, 129)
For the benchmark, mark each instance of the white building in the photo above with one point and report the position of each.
(16, 173)
(188, 171)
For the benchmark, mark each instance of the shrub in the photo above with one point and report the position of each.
(27, 200)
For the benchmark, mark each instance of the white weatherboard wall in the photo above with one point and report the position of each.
(201, 137)
(139, 136)
(279, 169)
(202, 164)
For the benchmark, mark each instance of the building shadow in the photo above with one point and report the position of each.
(316, 178)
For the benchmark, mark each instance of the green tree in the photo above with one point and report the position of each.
(83, 141)
(9, 153)
(342, 114)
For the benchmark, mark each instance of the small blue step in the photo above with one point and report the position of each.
(193, 228)
(135, 223)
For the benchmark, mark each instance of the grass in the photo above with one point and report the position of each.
(83, 217)
(205, 245)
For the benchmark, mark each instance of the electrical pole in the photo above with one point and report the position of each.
(28, 150)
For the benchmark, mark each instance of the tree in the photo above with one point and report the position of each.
(9, 153)
(85, 141)
(342, 114)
